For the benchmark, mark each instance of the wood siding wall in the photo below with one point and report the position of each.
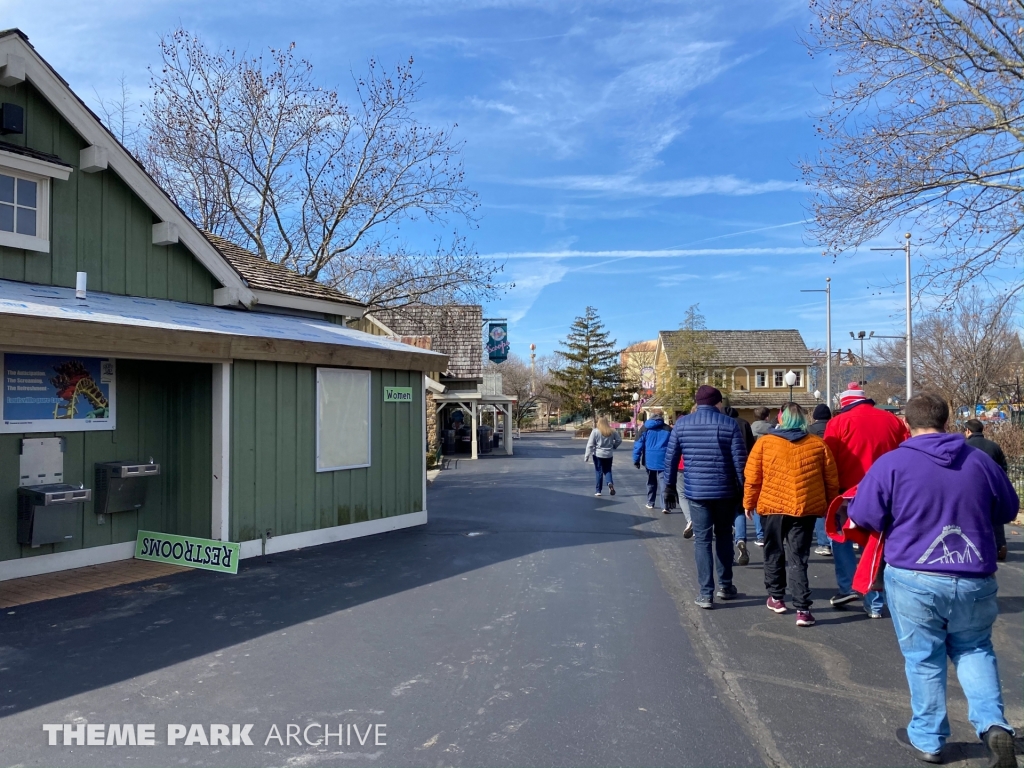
(274, 482)
(164, 410)
(97, 224)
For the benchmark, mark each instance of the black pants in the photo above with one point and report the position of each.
(652, 485)
(787, 545)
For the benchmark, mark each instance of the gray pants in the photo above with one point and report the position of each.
(684, 503)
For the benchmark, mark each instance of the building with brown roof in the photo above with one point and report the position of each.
(749, 366)
(276, 287)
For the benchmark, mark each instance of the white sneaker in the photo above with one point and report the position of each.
(650, 506)
(598, 493)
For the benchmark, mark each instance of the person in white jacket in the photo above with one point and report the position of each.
(603, 441)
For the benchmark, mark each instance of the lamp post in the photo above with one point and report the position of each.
(910, 326)
(817, 395)
(790, 379)
(862, 335)
(827, 290)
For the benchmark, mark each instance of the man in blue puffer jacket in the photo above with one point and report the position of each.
(714, 455)
(649, 448)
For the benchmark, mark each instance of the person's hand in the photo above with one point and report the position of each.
(636, 464)
(749, 513)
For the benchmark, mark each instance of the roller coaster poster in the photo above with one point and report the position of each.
(58, 393)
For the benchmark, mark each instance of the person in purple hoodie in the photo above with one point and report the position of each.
(937, 501)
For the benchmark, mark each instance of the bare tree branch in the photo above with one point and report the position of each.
(925, 128)
(255, 150)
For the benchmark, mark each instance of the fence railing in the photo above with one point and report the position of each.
(1015, 469)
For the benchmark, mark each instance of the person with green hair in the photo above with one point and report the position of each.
(790, 479)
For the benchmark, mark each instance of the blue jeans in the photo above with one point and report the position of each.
(740, 527)
(821, 538)
(938, 616)
(712, 516)
(845, 560)
(603, 469)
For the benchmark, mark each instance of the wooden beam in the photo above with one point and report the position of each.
(35, 334)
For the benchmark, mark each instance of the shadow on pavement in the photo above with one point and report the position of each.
(59, 648)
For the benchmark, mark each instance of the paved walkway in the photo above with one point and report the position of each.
(529, 623)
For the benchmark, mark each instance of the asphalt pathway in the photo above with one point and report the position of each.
(529, 623)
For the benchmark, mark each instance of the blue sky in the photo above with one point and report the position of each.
(639, 157)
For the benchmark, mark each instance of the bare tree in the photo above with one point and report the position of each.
(965, 352)
(529, 387)
(925, 128)
(118, 114)
(638, 360)
(253, 148)
(693, 353)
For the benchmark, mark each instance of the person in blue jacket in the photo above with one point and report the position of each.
(714, 456)
(649, 450)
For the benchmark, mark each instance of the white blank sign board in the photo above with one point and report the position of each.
(342, 419)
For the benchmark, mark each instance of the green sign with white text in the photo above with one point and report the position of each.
(187, 551)
(397, 394)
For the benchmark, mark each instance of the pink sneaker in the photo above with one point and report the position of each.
(778, 606)
(804, 619)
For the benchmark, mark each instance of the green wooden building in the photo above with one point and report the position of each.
(272, 422)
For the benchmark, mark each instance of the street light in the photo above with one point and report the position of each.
(827, 290)
(862, 335)
(790, 379)
(817, 394)
(910, 327)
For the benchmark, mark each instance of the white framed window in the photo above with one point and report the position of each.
(761, 378)
(779, 377)
(718, 379)
(343, 407)
(25, 200)
(799, 377)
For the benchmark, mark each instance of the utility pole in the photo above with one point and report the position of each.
(827, 290)
(910, 325)
(533, 368)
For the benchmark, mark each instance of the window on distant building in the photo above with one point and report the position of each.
(799, 377)
(779, 375)
(761, 378)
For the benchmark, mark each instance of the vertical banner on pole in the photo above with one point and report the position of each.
(497, 342)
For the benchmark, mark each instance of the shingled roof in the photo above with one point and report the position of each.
(782, 347)
(454, 330)
(263, 275)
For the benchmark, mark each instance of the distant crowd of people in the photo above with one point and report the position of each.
(924, 507)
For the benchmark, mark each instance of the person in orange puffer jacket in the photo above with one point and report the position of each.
(790, 479)
(857, 436)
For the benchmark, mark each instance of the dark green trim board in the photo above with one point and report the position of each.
(274, 482)
(97, 224)
(164, 411)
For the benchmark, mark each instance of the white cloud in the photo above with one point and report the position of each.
(652, 254)
(530, 279)
(630, 185)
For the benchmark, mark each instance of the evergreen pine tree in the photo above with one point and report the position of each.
(589, 379)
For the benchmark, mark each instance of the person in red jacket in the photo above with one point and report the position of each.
(857, 436)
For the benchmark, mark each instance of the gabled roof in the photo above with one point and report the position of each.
(263, 275)
(749, 348)
(14, 43)
(455, 330)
